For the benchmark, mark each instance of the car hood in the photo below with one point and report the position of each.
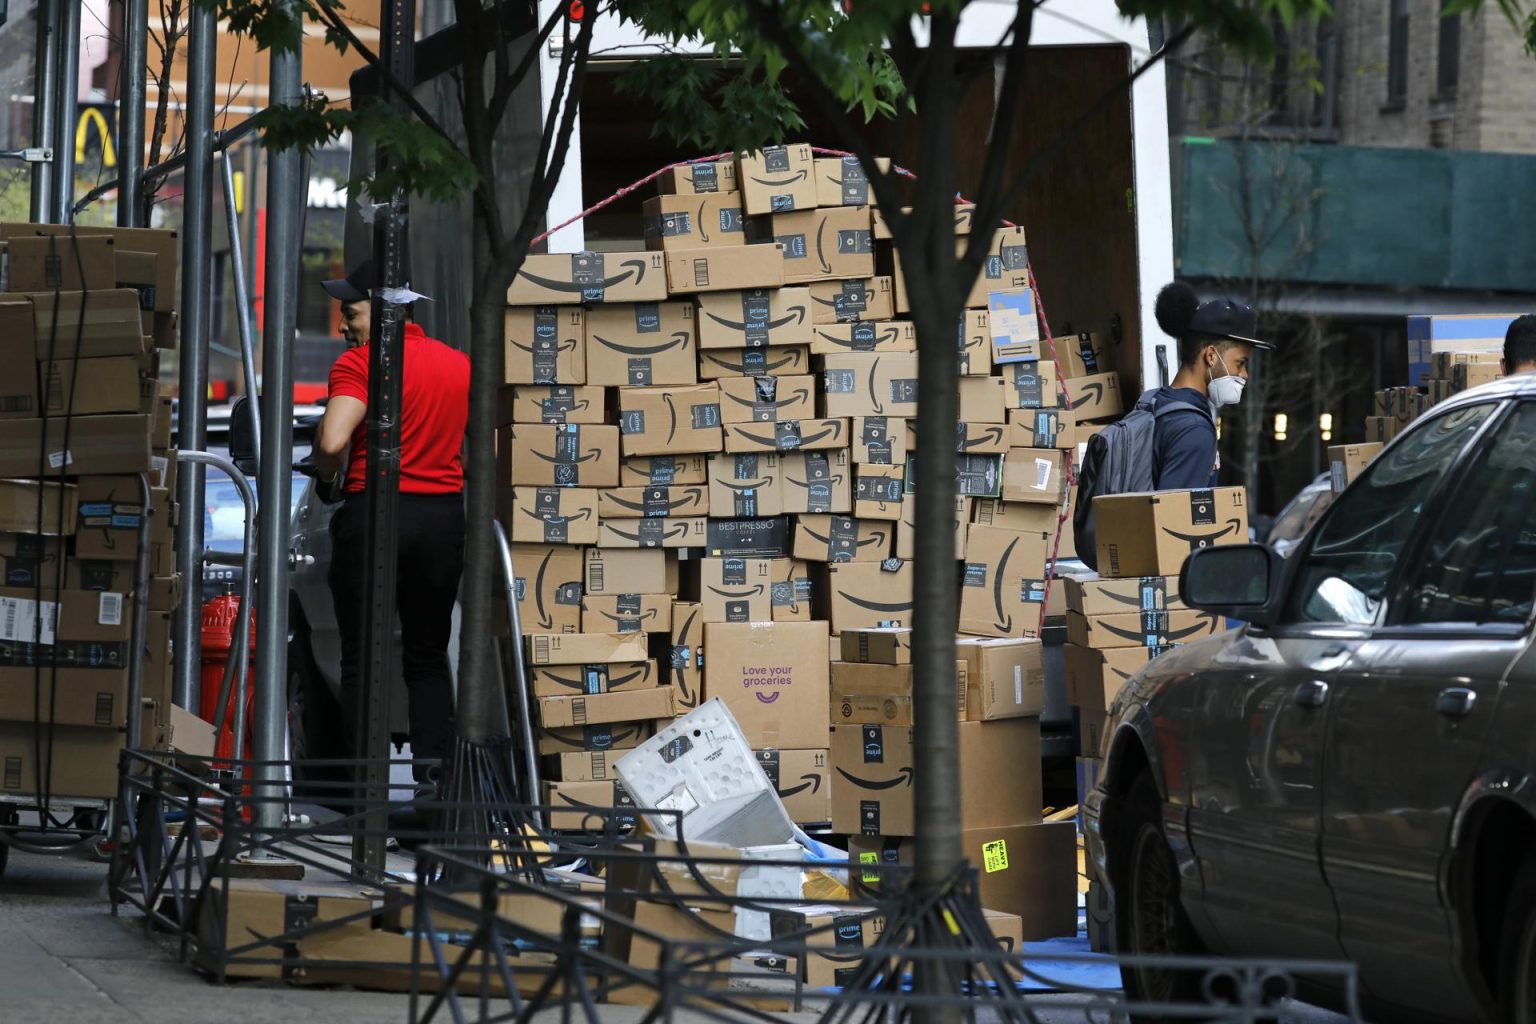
(1165, 672)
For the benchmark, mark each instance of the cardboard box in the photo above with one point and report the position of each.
(1029, 870)
(1095, 676)
(766, 399)
(1044, 428)
(725, 269)
(663, 471)
(589, 277)
(18, 394)
(843, 302)
(658, 502)
(762, 537)
(83, 761)
(546, 345)
(559, 455)
(827, 244)
(736, 589)
(841, 181)
(965, 216)
(673, 532)
(870, 384)
(1004, 678)
(1142, 629)
(598, 677)
(1004, 269)
(563, 403)
(850, 706)
(1090, 595)
(842, 539)
(792, 590)
(139, 271)
(162, 243)
(836, 950)
(1347, 461)
(548, 585)
(587, 806)
(1030, 518)
(21, 500)
(976, 476)
(694, 221)
(584, 648)
(110, 509)
(1015, 327)
(803, 780)
(744, 486)
(974, 342)
(60, 263)
(617, 571)
(1033, 475)
(27, 560)
(882, 441)
(98, 445)
(1032, 385)
(626, 613)
(777, 179)
(864, 336)
(906, 530)
(1083, 355)
(981, 438)
(595, 738)
(774, 361)
(1004, 584)
(787, 436)
(596, 766)
(678, 421)
(705, 177)
(878, 492)
(604, 708)
(554, 515)
(876, 646)
(773, 678)
(816, 483)
(983, 400)
(755, 318)
(1095, 398)
(651, 343)
(685, 656)
(1152, 534)
(1472, 333)
(870, 595)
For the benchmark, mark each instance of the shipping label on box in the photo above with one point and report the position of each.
(821, 538)
(746, 485)
(671, 532)
(685, 656)
(1152, 534)
(974, 342)
(620, 571)
(755, 318)
(864, 336)
(725, 269)
(816, 482)
(777, 179)
(792, 590)
(659, 421)
(704, 177)
(604, 708)
(546, 345)
(655, 502)
(870, 595)
(568, 455)
(775, 361)
(882, 441)
(736, 589)
(1004, 271)
(844, 302)
(773, 677)
(589, 277)
(1033, 475)
(1004, 585)
(598, 677)
(626, 613)
(1083, 355)
(555, 404)
(548, 585)
(787, 436)
(802, 778)
(761, 537)
(1033, 385)
(663, 471)
(1004, 678)
(1090, 595)
(841, 181)
(826, 244)
(649, 343)
(872, 770)
(766, 399)
(878, 492)
(1142, 629)
(982, 439)
(694, 221)
(554, 515)
(870, 384)
(1095, 398)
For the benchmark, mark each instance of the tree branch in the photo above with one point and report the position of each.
(507, 85)
(989, 197)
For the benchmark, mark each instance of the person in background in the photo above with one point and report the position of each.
(1216, 346)
(1519, 346)
(434, 408)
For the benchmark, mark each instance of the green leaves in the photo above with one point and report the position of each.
(1242, 25)
(275, 25)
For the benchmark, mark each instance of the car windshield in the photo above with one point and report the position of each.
(224, 517)
(1300, 514)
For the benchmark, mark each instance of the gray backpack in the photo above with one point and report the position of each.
(1119, 460)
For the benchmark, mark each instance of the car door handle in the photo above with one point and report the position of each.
(1456, 701)
(1313, 694)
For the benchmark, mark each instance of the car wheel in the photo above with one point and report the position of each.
(1517, 950)
(1149, 919)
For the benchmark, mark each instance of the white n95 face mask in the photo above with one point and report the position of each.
(1226, 390)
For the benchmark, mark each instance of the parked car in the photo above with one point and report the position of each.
(1352, 774)
(1299, 515)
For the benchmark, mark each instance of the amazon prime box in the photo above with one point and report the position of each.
(766, 399)
(705, 177)
(546, 345)
(684, 660)
(549, 586)
(864, 336)
(869, 595)
(755, 318)
(1095, 398)
(535, 403)
(776, 361)
(745, 485)
(735, 589)
(553, 515)
(842, 302)
(626, 613)
(974, 341)
(773, 676)
(870, 384)
(777, 179)
(694, 221)
(828, 538)
(558, 455)
(882, 441)
(652, 532)
(1084, 355)
(670, 421)
(656, 502)
(589, 277)
(787, 436)
(1004, 586)
(597, 677)
(841, 181)
(1142, 629)
(824, 245)
(793, 590)
(878, 492)
(1152, 534)
(642, 344)
(803, 780)
(816, 482)
(1035, 385)
(1087, 594)
(1033, 475)
(663, 471)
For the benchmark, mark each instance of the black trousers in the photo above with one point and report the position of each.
(430, 562)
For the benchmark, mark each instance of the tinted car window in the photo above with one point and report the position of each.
(1346, 571)
(1480, 564)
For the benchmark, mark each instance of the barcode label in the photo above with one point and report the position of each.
(19, 621)
(59, 459)
(1042, 473)
(110, 610)
(540, 650)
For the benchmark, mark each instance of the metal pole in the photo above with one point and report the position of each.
(192, 412)
(130, 113)
(45, 101)
(385, 358)
(66, 112)
(242, 304)
(284, 200)
(532, 789)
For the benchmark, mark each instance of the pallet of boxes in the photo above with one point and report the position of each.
(704, 461)
(87, 314)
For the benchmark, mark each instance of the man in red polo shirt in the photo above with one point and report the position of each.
(434, 406)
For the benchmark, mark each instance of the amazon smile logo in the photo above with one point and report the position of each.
(903, 777)
(796, 316)
(737, 595)
(690, 497)
(991, 436)
(875, 537)
(743, 369)
(1203, 540)
(806, 440)
(545, 349)
(546, 621)
(857, 344)
(681, 531)
(636, 270)
(614, 682)
(680, 339)
(1090, 393)
(811, 782)
(595, 453)
(1004, 622)
(795, 398)
(556, 519)
(744, 488)
(795, 178)
(875, 606)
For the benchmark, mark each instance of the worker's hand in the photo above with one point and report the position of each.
(329, 490)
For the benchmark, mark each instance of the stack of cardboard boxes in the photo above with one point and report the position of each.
(86, 315)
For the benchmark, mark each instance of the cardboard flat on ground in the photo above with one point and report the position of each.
(774, 679)
(1152, 534)
(589, 277)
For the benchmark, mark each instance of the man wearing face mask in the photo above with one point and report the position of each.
(1216, 346)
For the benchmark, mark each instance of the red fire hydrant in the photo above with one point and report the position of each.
(220, 615)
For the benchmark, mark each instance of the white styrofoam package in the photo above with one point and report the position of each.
(702, 767)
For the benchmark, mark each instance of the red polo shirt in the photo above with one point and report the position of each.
(434, 408)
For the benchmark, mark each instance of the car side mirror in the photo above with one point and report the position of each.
(1239, 581)
(242, 436)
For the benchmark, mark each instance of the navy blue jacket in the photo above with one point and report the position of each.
(1184, 456)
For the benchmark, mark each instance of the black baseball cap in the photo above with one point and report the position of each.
(1223, 318)
(355, 287)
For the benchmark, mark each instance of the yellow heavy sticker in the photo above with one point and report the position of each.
(994, 856)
